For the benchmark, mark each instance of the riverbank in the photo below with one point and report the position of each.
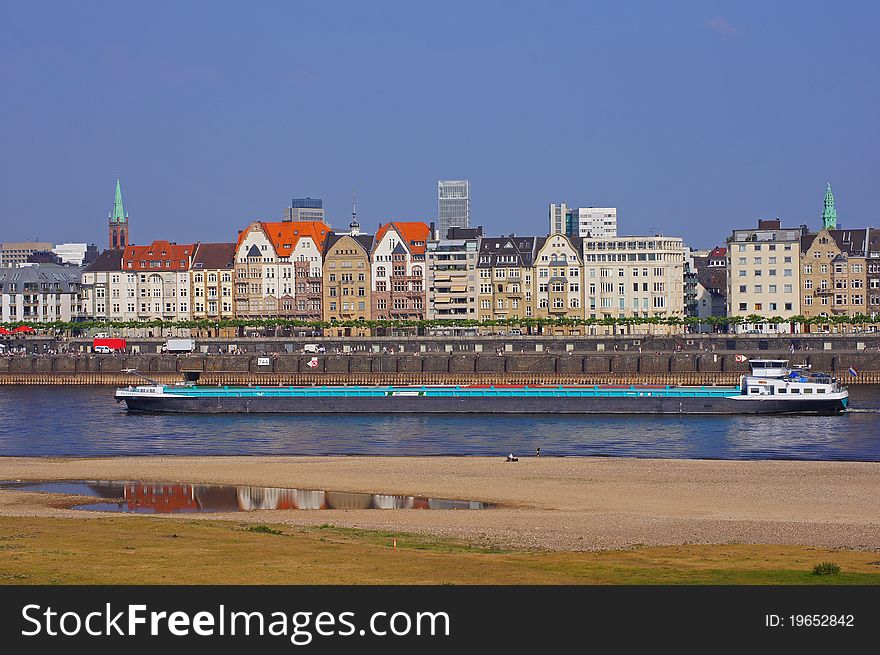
(559, 504)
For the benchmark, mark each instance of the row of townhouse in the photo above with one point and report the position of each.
(581, 277)
(789, 272)
(165, 281)
(306, 271)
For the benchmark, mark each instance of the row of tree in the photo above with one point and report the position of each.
(533, 325)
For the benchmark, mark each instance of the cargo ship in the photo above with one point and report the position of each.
(772, 387)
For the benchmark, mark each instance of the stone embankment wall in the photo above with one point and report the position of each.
(429, 368)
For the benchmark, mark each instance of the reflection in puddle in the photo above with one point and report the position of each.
(155, 498)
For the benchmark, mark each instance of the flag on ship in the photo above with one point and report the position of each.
(853, 371)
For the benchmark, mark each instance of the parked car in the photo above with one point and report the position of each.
(311, 348)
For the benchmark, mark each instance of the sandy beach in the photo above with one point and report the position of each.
(547, 503)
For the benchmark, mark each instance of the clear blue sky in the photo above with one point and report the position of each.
(690, 117)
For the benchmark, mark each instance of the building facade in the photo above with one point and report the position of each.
(398, 271)
(451, 274)
(161, 279)
(40, 293)
(278, 270)
(453, 204)
(834, 273)
(763, 275)
(76, 254)
(211, 281)
(558, 279)
(104, 295)
(12, 253)
(634, 276)
(305, 209)
(705, 285)
(347, 280)
(595, 222)
(506, 288)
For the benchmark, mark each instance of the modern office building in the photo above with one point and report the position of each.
(305, 209)
(77, 254)
(451, 274)
(595, 222)
(763, 274)
(453, 204)
(12, 253)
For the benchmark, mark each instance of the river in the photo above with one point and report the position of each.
(85, 421)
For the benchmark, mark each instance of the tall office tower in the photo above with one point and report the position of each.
(304, 209)
(453, 205)
(595, 222)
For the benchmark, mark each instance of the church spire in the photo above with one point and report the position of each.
(117, 230)
(829, 213)
(118, 215)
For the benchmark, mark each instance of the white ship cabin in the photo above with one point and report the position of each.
(769, 368)
(774, 377)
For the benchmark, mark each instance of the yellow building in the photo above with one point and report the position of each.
(834, 273)
(505, 277)
(347, 279)
(211, 281)
(558, 274)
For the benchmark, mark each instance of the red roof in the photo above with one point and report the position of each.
(414, 233)
(159, 255)
(284, 235)
(718, 251)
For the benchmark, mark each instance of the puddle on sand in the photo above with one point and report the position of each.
(156, 498)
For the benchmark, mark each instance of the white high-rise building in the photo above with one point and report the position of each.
(453, 205)
(595, 222)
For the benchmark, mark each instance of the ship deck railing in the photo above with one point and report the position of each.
(595, 391)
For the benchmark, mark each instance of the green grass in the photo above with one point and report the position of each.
(147, 550)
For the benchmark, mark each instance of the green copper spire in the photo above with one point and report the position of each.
(829, 213)
(118, 215)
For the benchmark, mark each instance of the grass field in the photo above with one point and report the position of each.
(142, 550)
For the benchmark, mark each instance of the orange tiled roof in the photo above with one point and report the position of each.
(284, 235)
(412, 232)
(140, 258)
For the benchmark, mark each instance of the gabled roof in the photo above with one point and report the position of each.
(365, 241)
(284, 235)
(214, 256)
(178, 256)
(414, 233)
(718, 252)
(109, 260)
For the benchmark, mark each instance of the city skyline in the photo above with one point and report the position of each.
(692, 121)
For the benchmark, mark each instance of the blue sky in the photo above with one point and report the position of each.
(690, 117)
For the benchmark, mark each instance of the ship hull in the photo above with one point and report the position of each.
(403, 404)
